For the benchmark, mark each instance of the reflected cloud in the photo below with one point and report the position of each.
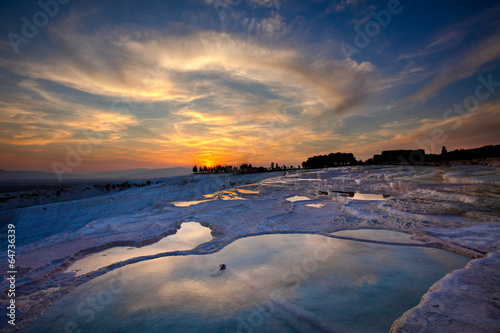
(301, 280)
(190, 235)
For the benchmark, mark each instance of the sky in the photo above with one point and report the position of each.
(89, 86)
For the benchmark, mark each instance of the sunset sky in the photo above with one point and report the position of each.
(130, 84)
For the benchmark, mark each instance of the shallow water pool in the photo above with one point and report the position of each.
(368, 196)
(273, 283)
(190, 235)
(297, 198)
(377, 235)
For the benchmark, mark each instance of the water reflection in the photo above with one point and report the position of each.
(224, 195)
(377, 235)
(221, 195)
(317, 205)
(283, 283)
(367, 196)
(190, 235)
(188, 203)
(247, 191)
(297, 198)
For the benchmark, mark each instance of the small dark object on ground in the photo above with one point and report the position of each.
(222, 267)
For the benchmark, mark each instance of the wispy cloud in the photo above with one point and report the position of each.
(454, 34)
(343, 5)
(272, 26)
(467, 131)
(43, 118)
(148, 66)
(462, 67)
(267, 3)
(255, 3)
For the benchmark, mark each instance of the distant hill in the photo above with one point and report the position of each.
(9, 176)
(133, 174)
(141, 173)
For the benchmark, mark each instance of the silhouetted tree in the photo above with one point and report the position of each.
(272, 165)
(444, 151)
(195, 169)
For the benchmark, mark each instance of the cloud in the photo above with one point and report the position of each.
(38, 117)
(474, 129)
(462, 67)
(41, 122)
(205, 95)
(271, 26)
(343, 5)
(149, 66)
(444, 40)
(266, 3)
(454, 34)
(472, 43)
(255, 3)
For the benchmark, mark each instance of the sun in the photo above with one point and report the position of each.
(209, 162)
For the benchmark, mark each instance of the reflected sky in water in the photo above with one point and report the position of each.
(221, 195)
(367, 196)
(297, 198)
(247, 191)
(190, 235)
(377, 235)
(318, 205)
(283, 283)
(188, 203)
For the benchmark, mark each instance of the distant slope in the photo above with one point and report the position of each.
(133, 174)
(140, 173)
(23, 175)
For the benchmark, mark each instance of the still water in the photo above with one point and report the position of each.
(190, 235)
(272, 283)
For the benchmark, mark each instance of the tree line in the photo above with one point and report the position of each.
(243, 168)
(330, 160)
(347, 159)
